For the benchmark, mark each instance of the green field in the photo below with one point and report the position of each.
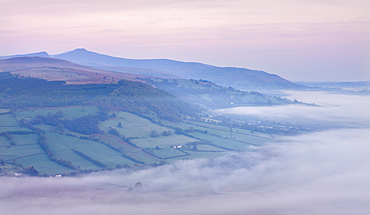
(129, 150)
(221, 142)
(210, 148)
(52, 129)
(166, 153)
(16, 152)
(136, 142)
(42, 164)
(6, 120)
(68, 112)
(24, 139)
(163, 141)
(201, 154)
(63, 147)
(227, 129)
(132, 125)
(240, 135)
(4, 142)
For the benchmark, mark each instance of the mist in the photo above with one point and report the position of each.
(339, 109)
(324, 172)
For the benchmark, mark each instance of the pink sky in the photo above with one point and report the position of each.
(299, 40)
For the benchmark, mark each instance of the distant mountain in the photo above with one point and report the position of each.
(240, 78)
(351, 88)
(359, 85)
(37, 54)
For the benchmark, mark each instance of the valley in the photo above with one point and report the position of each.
(62, 118)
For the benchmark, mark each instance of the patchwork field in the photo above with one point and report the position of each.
(123, 139)
(63, 147)
(132, 126)
(42, 164)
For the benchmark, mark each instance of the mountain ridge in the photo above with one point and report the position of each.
(240, 78)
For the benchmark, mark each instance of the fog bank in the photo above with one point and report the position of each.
(337, 108)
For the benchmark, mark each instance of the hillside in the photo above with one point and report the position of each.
(125, 95)
(210, 95)
(203, 92)
(78, 119)
(60, 70)
(239, 78)
(51, 128)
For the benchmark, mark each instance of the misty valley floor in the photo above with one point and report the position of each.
(319, 173)
(322, 172)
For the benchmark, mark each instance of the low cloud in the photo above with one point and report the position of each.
(324, 172)
(335, 108)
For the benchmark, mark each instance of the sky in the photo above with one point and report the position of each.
(324, 172)
(300, 40)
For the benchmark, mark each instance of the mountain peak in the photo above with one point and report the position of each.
(38, 54)
(80, 49)
(79, 54)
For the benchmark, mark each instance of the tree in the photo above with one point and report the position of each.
(22, 122)
(58, 114)
(190, 130)
(39, 121)
(138, 185)
(60, 127)
(167, 133)
(119, 125)
(30, 170)
(102, 116)
(114, 131)
(154, 133)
